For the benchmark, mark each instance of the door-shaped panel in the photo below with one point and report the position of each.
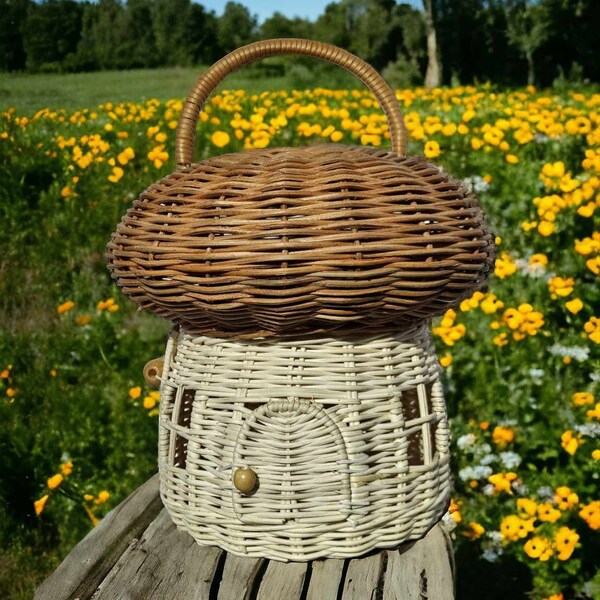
(299, 456)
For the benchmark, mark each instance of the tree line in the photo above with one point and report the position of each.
(510, 42)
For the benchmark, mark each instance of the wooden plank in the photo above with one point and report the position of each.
(164, 563)
(422, 570)
(239, 576)
(282, 581)
(325, 579)
(87, 564)
(363, 577)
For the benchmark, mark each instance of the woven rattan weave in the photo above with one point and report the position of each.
(301, 410)
(348, 438)
(285, 240)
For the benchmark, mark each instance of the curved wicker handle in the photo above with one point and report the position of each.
(186, 130)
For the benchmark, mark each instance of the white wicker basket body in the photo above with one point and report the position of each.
(348, 438)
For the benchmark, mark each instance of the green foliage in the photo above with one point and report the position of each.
(78, 427)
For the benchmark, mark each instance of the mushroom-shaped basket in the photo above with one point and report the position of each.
(302, 413)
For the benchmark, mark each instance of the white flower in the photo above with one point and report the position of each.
(545, 492)
(492, 545)
(488, 459)
(520, 488)
(485, 448)
(589, 429)
(510, 460)
(533, 270)
(476, 472)
(595, 376)
(488, 490)
(491, 555)
(536, 373)
(579, 353)
(494, 536)
(467, 440)
(476, 184)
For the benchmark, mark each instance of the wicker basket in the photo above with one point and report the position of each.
(301, 409)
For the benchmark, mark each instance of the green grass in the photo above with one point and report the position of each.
(28, 93)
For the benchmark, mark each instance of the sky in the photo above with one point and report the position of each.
(290, 8)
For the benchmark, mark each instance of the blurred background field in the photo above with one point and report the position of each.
(521, 359)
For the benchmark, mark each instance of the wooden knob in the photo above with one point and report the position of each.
(153, 371)
(244, 479)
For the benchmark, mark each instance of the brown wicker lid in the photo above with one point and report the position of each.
(299, 240)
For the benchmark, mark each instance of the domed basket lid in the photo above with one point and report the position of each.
(300, 240)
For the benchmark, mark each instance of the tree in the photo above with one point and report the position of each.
(527, 30)
(202, 35)
(51, 32)
(170, 25)
(433, 76)
(12, 52)
(236, 27)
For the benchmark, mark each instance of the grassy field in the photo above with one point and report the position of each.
(521, 359)
(29, 93)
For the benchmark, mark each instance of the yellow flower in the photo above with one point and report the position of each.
(135, 392)
(565, 498)
(538, 260)
(546, 228)
(547, 513)
(511, 159)
(475, 530)
(40, 504)
(432, 149)
(66, 468)
(446, 360)
(158, 156)
(596, 454)
(504, 266)
(108, 304)
(220, 138)
(536, 547)
(116, 174)
(570, 442)
(103, 497)
(590, 513)
(65, 307)
(592, 328)
(560, 286)
(527, 506)
(594, 413)
(88, 497)
(582, 398)
(82, 320)
(565, 541)
(503, 435)
(502, 481)
(454, 510)
(472, 302)
(490, 304)
(514, 528)
(55, 481)
(66, 191)
(336, 136)
(447, 330)
(149, 402)
(500, 340)
(574, 306)
(125, 156)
